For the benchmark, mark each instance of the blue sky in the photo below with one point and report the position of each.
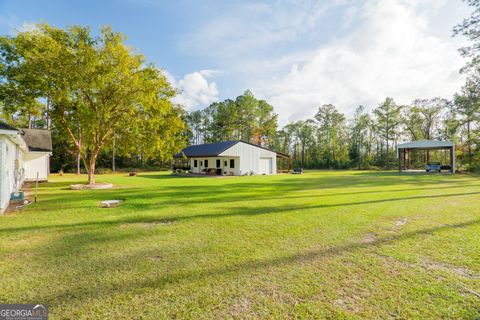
(296, 54)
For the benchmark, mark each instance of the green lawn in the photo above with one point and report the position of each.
(326, 244)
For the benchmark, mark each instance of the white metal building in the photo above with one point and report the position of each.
(23, 153)
(230, 158)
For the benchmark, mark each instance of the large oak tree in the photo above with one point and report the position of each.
(96, 87)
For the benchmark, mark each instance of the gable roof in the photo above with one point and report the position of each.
(207, 149)
(425, 144)
(213, 149)
(37, 139)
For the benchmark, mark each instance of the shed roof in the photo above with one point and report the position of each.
(37, 139)
(426, 144)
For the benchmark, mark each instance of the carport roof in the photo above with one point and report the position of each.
(426, 144)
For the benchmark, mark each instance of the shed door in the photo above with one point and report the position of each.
(265, 166)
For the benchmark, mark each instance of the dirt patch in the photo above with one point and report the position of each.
(369, 238)
(460, 271)
(146, 225)
(239, 308)
(434, 265)
(156, 258)
(349, 303)
(401, 222)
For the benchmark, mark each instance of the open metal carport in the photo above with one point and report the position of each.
(404, 150)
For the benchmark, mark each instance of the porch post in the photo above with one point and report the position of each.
(408, 156)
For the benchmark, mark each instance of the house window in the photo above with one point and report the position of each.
(218, 163)
(206, 163)
(232, 163)
(201, 163)
(225, 163)
(195, 163)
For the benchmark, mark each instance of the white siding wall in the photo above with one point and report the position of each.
(10, 163)
(36, 162)
(212, 163)
(249, 158)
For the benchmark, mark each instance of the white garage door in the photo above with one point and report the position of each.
(265, 166)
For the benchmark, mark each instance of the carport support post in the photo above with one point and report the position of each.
(408, 159)
(452, 159)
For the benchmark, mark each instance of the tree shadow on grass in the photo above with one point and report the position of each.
(247, 190)
(233, 212)
(83, 292)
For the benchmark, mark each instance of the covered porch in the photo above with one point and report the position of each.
(406, 151)
(284, 163)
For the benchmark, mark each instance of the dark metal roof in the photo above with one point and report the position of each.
(206, 150)
(37, 139)
(214, 149)
(4, 126)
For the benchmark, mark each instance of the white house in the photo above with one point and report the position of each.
(23, 153)
(230, 157)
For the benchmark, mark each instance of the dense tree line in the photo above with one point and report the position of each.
(368, 139)
(330, 139)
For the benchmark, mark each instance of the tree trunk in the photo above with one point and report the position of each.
(91, 169)
(91, 173)
(303, 154)
(469, 142)
(49, 120)
(388, 163)
(79, 158)
(113, 156)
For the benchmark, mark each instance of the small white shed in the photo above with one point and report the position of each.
(37, 159)
(230, 157)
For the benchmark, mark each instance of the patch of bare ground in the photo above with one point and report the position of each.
(155, 258)
(351, 302)
(145, 225)
(369, 238)
(433, 265)
(401, 222)
(460, 271)
(239, 308)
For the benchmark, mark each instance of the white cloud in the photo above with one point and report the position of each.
(342, 52)
(196, 91)
(246, 28)
(391, 54)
